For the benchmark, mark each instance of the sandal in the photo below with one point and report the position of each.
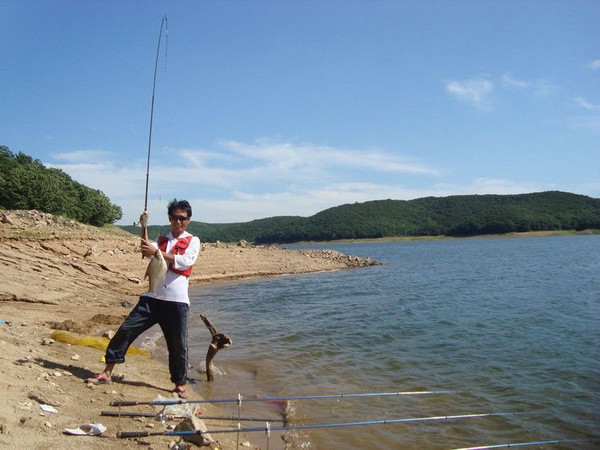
(180, 391)
(99, 379)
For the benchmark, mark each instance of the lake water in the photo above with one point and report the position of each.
(512, 325)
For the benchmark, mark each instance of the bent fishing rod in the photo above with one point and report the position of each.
(240, 399)
(162, 23)
(268, 428)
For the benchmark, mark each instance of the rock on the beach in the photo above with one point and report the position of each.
(194, 424)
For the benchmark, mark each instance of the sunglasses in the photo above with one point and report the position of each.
(179, 218)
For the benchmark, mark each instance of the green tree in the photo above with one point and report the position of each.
(25, 183)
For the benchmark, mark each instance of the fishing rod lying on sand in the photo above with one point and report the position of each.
(525, 444)
(167, 416)
(239, 399)
(268, 428)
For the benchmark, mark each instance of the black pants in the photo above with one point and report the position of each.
(172, 318)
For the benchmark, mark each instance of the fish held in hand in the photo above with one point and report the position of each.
(156, 271)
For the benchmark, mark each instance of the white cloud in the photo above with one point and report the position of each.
(499, 186)
(240, 181)
(244, 181)
(308, 158)
(544, 88)
(114, 181)
(245, 207)
(589, 123)
(80, 156)
(483, 185)
(510, 81)
(594, 65)
(475, 91)
(587, 105)
(539, 88)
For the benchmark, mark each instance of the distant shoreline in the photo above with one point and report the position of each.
(447, 238)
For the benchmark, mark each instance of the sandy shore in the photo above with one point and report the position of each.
(59, 274)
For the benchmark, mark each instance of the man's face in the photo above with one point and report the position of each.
(179, 221)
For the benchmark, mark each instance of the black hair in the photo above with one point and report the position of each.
(180, 204)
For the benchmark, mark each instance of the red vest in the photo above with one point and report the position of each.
(178, 249)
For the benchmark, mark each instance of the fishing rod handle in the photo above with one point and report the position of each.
(134, 434)
(126, 414)
(114, 413)
(127, 403)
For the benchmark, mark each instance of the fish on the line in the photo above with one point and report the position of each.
(157, 267)
(156, 271)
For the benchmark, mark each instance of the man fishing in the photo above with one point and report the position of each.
(166, 303)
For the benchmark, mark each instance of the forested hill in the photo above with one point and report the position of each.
(461, 215)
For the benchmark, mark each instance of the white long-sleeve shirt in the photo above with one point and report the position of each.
(175, 286)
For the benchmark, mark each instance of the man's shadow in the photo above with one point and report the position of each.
(82, 373)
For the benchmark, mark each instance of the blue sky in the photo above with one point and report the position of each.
(269, 108)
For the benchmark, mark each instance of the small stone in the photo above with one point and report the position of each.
(48, 424)
(47, 341)
(75, 357)
(108, 334)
